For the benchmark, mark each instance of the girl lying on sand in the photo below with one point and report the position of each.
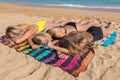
(22, 32)
(57, 32)
(60, 31)
(76, 42)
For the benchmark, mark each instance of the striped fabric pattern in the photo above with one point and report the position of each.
(73, 64)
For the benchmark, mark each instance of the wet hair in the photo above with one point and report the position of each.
(14, 31)
(39, 37)
(73, 40)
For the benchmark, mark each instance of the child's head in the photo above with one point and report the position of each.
(14, 32)
(42, 38)
(76, 42)
(56, 32)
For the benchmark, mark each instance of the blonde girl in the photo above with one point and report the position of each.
(22, 32)
(75, 43)
(78, 42)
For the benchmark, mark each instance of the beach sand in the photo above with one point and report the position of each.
(17, 66)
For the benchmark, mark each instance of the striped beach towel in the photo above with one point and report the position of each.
(73, 64)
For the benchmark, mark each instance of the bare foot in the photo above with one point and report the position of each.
(110, 24)
(6, 42)
(94, 22)
(10, 44)
(82, 22)
(91, 22)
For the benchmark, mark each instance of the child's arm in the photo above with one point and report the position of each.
(63, 50)
(31, 42)
(29, 32)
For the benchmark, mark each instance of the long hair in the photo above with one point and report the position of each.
(73, 40)
(52, 31)
(38, 38)
(14, 31)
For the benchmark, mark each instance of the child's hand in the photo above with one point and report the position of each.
(62, 56)
(35, 46)
(94, 46)
(50, 44)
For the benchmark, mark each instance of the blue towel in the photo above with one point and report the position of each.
(111, 39)
(33, 53)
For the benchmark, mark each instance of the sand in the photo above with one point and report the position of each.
(17, 66)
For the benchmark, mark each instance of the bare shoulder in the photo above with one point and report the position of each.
(32, 27)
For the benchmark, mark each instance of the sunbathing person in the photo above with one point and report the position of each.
(69, 40)
(76, 42)
(22, 32)
(60, 31)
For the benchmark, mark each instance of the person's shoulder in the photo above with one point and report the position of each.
(32, 27)
(23, 25)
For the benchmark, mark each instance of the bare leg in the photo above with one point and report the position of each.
(85, 26)
(81, 22)
(55, 23)
(107, 29)
(59, 21)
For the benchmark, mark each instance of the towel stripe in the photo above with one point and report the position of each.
(84, 64)
(59, 62)
(45, 53)
(50, 58)
(78, 63)
(67, 61)
(72, 63)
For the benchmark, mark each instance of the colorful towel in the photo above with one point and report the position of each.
(110, 39)
(73, 64)
(106, 41)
